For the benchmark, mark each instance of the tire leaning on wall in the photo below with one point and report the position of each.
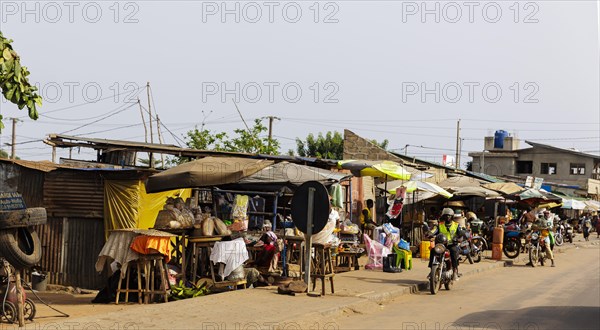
(21, 247)
(19, 243)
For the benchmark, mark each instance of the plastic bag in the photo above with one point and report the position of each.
(240, 207)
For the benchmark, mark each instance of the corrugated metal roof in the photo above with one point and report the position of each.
(68, 141)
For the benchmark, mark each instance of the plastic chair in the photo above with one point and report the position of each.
(376, 251)
(404, 258)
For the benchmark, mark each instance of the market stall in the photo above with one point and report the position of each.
(232, 203)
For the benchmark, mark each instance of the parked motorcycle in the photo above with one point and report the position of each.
(478, 245)
(559, 235)
(487, 230)
(537, 247)
(512, 240)
(569, 233)
(471, 247)
(441, 266)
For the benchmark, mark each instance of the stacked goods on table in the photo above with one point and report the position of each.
(210, 226)
(174, 215)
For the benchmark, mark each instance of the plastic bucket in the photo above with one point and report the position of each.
(39, 282)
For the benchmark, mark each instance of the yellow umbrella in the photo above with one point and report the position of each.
(380, 169)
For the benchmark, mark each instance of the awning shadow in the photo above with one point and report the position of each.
(532, 318)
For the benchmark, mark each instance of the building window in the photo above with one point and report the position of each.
(548, 168)
(524, 167)
(577, 169)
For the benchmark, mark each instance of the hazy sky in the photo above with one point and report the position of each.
(401, 70)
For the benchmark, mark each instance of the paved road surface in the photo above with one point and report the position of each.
(518, 297)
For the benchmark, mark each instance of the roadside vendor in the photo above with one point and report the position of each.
(267, 257)
(366, 216)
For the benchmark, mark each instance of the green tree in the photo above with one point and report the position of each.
(330, 146)
(250, 141)
(204, 139)
(13, 81)
(3, 154)
(383, 144)
(247, 141)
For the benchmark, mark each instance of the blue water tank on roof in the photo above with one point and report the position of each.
(499, 139)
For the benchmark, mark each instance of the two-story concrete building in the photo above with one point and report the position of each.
(564, 169)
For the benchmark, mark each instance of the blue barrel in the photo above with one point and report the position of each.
(499, 139)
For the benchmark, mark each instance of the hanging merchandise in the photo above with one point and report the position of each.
(337, 195)
(240, 208)
(256, 221)
(239, 214)
(396, 204)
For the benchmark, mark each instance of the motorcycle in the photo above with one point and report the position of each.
(487, 230)
(512, 241)
(559, 236)
(471, 247)
(537, 247)
(441, 266)
(569, 234)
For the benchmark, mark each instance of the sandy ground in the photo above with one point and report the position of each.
(351, 288)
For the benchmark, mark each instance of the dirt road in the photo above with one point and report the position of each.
(518, 297)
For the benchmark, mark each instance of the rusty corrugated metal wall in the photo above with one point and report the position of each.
(69, 193)
(26, 181)
(74, 235)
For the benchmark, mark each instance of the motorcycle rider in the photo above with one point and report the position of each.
(451, 230)
(541, 224)
(549, 218)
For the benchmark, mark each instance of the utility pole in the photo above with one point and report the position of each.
(271, 118)
(150, 154)
(160, 140)
(14, 139)
(143, 121)
(150, 112)
(457, 160)
(406, 150)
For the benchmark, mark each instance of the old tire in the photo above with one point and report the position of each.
(21, 247)
(22, 218)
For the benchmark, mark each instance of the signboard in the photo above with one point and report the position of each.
(537, 183)
(529, 181)
(11, 201)
(593, 187)
(320, 202)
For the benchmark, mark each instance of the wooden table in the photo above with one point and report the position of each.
(180, 245)
(197, 244)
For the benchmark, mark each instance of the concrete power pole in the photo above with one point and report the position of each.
(457, 160)
(13, 154)
(271, 118)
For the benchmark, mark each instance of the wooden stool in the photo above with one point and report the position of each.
(322, 266)
(146, 265)
(348, 258)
